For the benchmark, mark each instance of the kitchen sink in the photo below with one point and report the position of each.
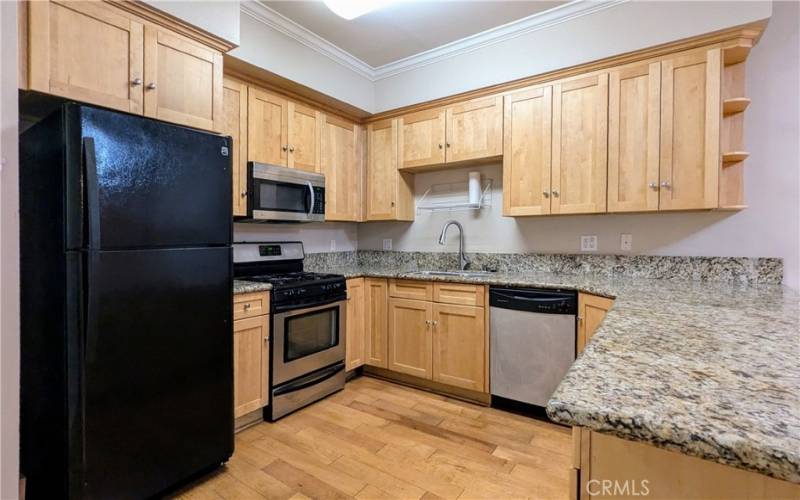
(460, 274)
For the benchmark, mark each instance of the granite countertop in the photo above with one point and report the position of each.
(706, 369)
(243, 286)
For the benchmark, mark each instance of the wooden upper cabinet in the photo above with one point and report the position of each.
(690, 130)
(376, 322)
(340, 162)
(267, 128)
(234, 124)
(410, 339)
(422, 138)
(390, 194)
(475, 129)
(87, 51)
(183, 80)
(304, 128)
(354, 342)
(527, 152)
(633, 137)
(580, 127)
(250, 364)
(459, 346)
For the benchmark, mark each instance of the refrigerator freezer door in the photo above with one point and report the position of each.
(158, 373)
(151, 184)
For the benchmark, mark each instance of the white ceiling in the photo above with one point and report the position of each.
(406, 28)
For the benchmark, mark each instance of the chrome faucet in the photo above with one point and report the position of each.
(463, 262)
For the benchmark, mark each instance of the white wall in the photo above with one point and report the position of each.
(9, 255)
(218, 17)
(276, 52)
(622, 28)
(316, 237)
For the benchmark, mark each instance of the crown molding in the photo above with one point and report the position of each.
(279, 22)
(535, 22)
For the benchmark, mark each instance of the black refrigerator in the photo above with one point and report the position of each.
(126, 304)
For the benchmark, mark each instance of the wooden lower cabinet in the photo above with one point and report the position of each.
(356, 331)
(250, 364)
(459, 338)
(376, 321)
(410, 337)
(642, 470)
(592, 310)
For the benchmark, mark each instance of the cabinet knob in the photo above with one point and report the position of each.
(440, 146)
(435, 323)
(392, 203)
(285, 148)
(653, 186)
(665, 184)
(151, 86)
(244, 194)
(291, 149)
(136, 82)
(447, 144)
(555, 193)
(546, 194)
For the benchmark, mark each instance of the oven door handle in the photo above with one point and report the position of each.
(293, 310)
(311, 192)
(308, 381)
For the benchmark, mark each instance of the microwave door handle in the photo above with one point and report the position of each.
(311, 192)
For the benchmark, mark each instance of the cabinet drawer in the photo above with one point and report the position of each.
(248, 305)
(410, 289)
(459, 293)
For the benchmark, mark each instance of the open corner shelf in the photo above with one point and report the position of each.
(734, 156)
(734, 105)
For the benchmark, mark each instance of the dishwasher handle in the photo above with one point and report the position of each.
(535, 300)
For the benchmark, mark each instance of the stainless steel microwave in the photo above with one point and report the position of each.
(281, 194)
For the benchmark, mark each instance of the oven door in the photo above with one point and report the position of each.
(306, 340)
(283, 194)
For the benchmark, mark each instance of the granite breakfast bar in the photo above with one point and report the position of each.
(707, 369)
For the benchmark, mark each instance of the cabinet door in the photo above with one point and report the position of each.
(580, 114)
(183, 80)
(304, 127)
(66, 60)
(390, 194)
(250, 364)
(591, 312)
(267, 127)
(527, 150)
(234, 124)
(376, 322)
(475, 129)
(633, 135)
(410, 339)
(422, 138)
(459, 346)
(690, 120)
(339, 161)
(354, 344)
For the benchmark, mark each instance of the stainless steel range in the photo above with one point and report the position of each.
(307, 312)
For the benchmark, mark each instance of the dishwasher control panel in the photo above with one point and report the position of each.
(535, 300)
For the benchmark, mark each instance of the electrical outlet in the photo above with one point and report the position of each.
(589, 243)
(387, 243)
(625, 242)
(333, 245)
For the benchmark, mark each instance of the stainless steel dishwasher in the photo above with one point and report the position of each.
(532, 342)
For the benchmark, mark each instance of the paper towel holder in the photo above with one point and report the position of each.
(452, 197)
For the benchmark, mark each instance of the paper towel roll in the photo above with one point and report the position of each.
(474, 187)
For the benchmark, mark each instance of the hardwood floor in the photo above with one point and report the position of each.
(377, 440)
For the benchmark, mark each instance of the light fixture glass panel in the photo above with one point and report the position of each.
(351, 9)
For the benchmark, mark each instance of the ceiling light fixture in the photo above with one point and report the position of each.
(351, 9)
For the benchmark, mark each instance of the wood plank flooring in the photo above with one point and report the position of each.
(378, 440)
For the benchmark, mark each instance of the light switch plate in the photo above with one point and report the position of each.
(589, 243)
(387, 243)
(625, 242)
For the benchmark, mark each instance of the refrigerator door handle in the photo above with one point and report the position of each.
(91, 327)
(92, 193)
